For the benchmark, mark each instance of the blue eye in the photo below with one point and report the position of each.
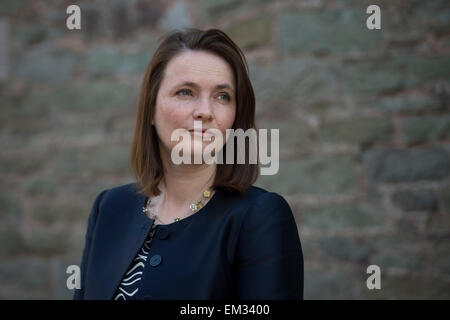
(184, 91)
(227, 97)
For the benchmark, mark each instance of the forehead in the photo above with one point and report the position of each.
(204, 68)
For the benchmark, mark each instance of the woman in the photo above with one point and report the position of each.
(191, 231)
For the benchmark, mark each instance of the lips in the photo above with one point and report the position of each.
(198, 132)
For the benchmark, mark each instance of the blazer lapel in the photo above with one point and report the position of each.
(120, 234)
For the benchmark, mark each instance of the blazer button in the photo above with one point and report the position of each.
(163, 232)
(155, 260)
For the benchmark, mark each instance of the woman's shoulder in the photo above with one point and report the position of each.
(259, 200)
(120, 194)
(124, 189)
(266, 214)
(257, 195)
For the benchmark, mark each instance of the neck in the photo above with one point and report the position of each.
(184, 184)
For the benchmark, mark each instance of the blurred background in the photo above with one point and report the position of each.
(363, 116)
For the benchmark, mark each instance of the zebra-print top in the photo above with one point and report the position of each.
(131, 281)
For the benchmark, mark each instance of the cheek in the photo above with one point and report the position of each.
(168, 117)
(226, 118)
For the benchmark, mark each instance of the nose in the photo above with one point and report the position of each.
(203, 110)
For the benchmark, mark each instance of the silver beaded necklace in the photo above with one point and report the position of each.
(193, 207)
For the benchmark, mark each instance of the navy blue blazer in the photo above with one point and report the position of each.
(235, 247)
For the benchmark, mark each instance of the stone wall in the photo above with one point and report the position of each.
(363, 116)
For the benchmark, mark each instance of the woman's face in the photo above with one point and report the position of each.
(197, 86)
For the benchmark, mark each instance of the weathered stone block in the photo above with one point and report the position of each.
(425, 129)
(343, 216)
(396, 165)
(331, 30)
(364, 132)
(315, 175)
(251, 33)
(415, 200)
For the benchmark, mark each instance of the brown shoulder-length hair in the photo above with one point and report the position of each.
(145, 160)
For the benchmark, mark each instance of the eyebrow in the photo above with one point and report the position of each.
(194, 85)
